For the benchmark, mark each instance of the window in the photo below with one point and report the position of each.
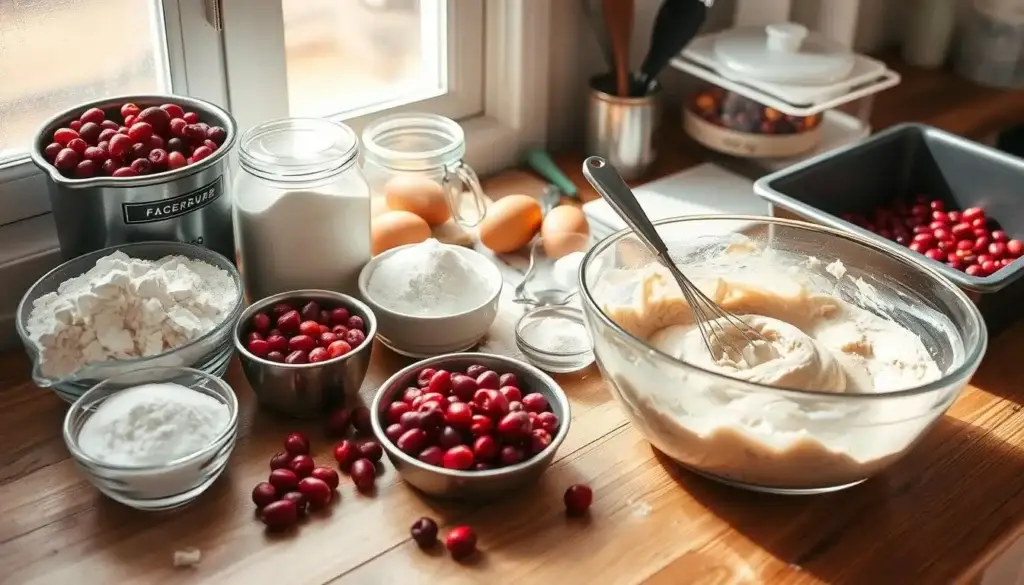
(482, 63)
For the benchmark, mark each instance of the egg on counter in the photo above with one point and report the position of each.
(511, 223)
(396, 228)
(418, 195)
(565, 230)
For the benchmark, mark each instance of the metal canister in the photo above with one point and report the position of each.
(621, 129)
(190, 204)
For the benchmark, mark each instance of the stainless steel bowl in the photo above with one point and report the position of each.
(307, 390)
(183, 205)
(450, 483)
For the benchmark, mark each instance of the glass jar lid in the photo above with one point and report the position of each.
(414, 142)
(298, 149)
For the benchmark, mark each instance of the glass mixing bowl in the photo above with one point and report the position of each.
(760, 437)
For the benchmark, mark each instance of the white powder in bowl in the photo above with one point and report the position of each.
(429, 279)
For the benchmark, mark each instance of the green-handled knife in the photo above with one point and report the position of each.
(540, 161)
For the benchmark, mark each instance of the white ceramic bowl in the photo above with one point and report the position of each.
(426, 336)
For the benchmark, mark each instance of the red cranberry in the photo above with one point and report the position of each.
(393, 432)
(515, 406)
(125, 172)
(86, 169)
(459, 414)
(535, 402)
(301, 343)
(539, 440)
(310, 328)
(175, 160)
(490, 402)
(482, 425)
(280, 515)
(277, 343)
(173, 110)
(338, 348)
(511, 455)
(411, 394)
(485, 448)
(264, 494)
(64, 135)
(191, 117)
(489, 380)
(440, 382)
(345, 453)
(261, 322)
(129, 109)
(142, 165)
(411, 420)
(201, 153)
(364, 474)
(371, 450)
(355, 337)
(515, 425)
(463, 387)
(301, 505)
(458, 457)
(935, 254)
(396, 410)
(155, 117)
(302, 465)
(423, 378)
(974, 270)
(92, 115)
(289, 322)
(217, 134)
(999, 236)
(78, 145)
(339, 316)
(431, 420)
(481, 466)
(90, 132)
(412, 441)
(547, 421)
(475, 370)
(326, 475)
(284, 480)
(355, 322)
(1015, 248)
(318, 354)
(432, 455)
(577, 499)
(296, 444)
(361, 420)
(326, 339)
(511, 393)
(338, 422)
(339, 330)
(972, 213)
(460, 542)
(276, 356)
(508, 379)
(449, 438)
(51, 150)
(67, 160)
(258, 347)
(317, 492)
(424, 532)
(281, 460)
(310, 311)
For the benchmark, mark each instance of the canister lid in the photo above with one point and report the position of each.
(298, 148)
(782, 53)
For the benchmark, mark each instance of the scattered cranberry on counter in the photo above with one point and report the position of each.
(142, 142)
(577, 499)
(424, 532)
(317, 492)
(264, 494)
(296, 444)
(361, 420)
(345, 453)
(326, 475)
(338, 422)
(964, 240)
(467, 421)
(304, 336)
(280, 460)
(280, 515)
(460, 542)
(371, 450)
(301, 505)
(302, 465)
(364, 474)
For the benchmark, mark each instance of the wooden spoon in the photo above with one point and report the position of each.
(618, 18)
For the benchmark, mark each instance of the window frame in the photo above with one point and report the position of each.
(514, 117)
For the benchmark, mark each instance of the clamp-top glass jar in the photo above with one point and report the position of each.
(301, 208)
(413, 162)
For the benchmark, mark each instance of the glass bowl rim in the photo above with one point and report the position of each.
(521, 339)
(71, 441)
(970, 362)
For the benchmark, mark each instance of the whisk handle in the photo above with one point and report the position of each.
(607, 181)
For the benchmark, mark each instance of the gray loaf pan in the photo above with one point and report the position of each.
(900, 163)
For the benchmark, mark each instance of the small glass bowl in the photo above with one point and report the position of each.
(558, 362)
(155, 487)
(545, 281)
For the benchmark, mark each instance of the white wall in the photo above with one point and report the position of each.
(575, 55)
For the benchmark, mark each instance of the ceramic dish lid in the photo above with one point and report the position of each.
(782, 53)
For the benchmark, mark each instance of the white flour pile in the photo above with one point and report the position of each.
(430, 279)
(127, 308)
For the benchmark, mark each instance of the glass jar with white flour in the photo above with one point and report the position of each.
(301, 208)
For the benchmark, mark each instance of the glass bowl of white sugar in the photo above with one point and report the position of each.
(130, 307)
(555, 339)
(156, 438)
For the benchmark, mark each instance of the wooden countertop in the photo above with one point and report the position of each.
(939, 516)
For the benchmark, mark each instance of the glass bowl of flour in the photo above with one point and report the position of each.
(129, 307)
(862, 350)
(156, 438)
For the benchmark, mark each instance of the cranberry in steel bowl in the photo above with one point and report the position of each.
(305, 352)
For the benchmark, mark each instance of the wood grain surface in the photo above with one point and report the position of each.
(950, 508)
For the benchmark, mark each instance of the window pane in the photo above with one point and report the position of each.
(348, 56)
(57, 53)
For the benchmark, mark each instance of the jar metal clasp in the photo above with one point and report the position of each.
(459, 178)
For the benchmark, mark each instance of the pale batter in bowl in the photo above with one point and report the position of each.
(815, 341)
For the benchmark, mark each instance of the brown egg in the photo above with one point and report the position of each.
(396, 228)
(511, 223)
(565, 230)
(418, 195)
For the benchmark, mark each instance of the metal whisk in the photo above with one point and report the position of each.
(718, 327)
